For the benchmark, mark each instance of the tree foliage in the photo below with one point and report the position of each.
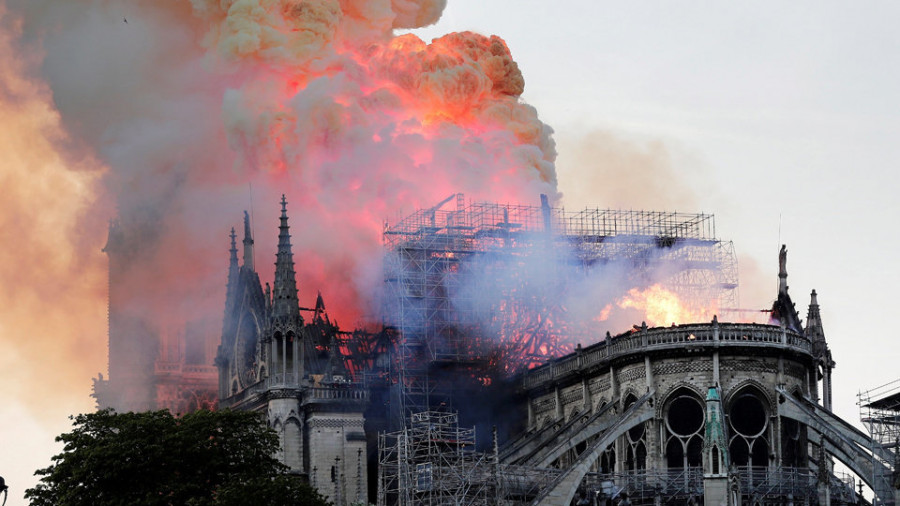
(205, 458)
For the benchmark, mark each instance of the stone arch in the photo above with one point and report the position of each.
(749, 413)
(289, 359)
(292, 443)
(666, 397)
(564, 487)
(760, 389)
(682, 417)
(278, 335)
(276, 350)
(635, 438)
(276, 425)
(630, 394)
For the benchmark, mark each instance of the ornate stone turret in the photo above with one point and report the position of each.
(715, 453)
(285, 303)
(816, 335)
(232, 258)
(715, 443)
(228, 322)
(248, 243)
(234, 272)
(273, 362)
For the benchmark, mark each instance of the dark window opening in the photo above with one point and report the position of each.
(695, 452)
(748, 416)
(674, 454)
(760, 453)
(685, 416)
(608, 461)
(792, 444)
(740, 451)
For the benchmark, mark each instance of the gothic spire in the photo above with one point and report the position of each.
(285, 288)
(248, 243)
(715, 444)
(814, 320)
(815, 332)
(233, 269)
(233, 260)
(231, 287)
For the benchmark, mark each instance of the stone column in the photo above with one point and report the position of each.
(284, 357)
(296, 365)
(273, 368)
(586, 394)
(530, 413)
(824, 473)
(558, 400)
(716, 375)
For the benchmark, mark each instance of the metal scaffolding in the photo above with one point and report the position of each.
(879, 410)
(434, 254)
(433, 462)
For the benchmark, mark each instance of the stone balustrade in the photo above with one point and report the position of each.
(681, 337)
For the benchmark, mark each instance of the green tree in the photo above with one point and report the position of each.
(205, 458)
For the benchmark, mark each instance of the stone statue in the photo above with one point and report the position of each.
(782, 260)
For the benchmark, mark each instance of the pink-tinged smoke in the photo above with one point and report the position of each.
(355, 124)
(206, 108)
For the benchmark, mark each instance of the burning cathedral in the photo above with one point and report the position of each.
(519, 354)
(703, 411)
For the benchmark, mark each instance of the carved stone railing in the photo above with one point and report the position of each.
(335, 394)
(286, 383)
(175, 368)
(288, 380)
(692, 336)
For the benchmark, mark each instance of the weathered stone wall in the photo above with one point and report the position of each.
(744, 360)
(338, 444)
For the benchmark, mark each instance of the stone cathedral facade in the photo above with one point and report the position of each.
(154, 362)
(273, 360)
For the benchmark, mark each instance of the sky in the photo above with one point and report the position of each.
(780, 119)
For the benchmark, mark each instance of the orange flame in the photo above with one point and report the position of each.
(663, 307)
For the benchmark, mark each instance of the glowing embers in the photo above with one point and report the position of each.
(748, 421)
(684, 426)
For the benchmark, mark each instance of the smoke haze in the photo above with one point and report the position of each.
(171, 117)
(607, 169)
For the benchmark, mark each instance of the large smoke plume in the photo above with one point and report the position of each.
(172, 117)
(198, 109)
